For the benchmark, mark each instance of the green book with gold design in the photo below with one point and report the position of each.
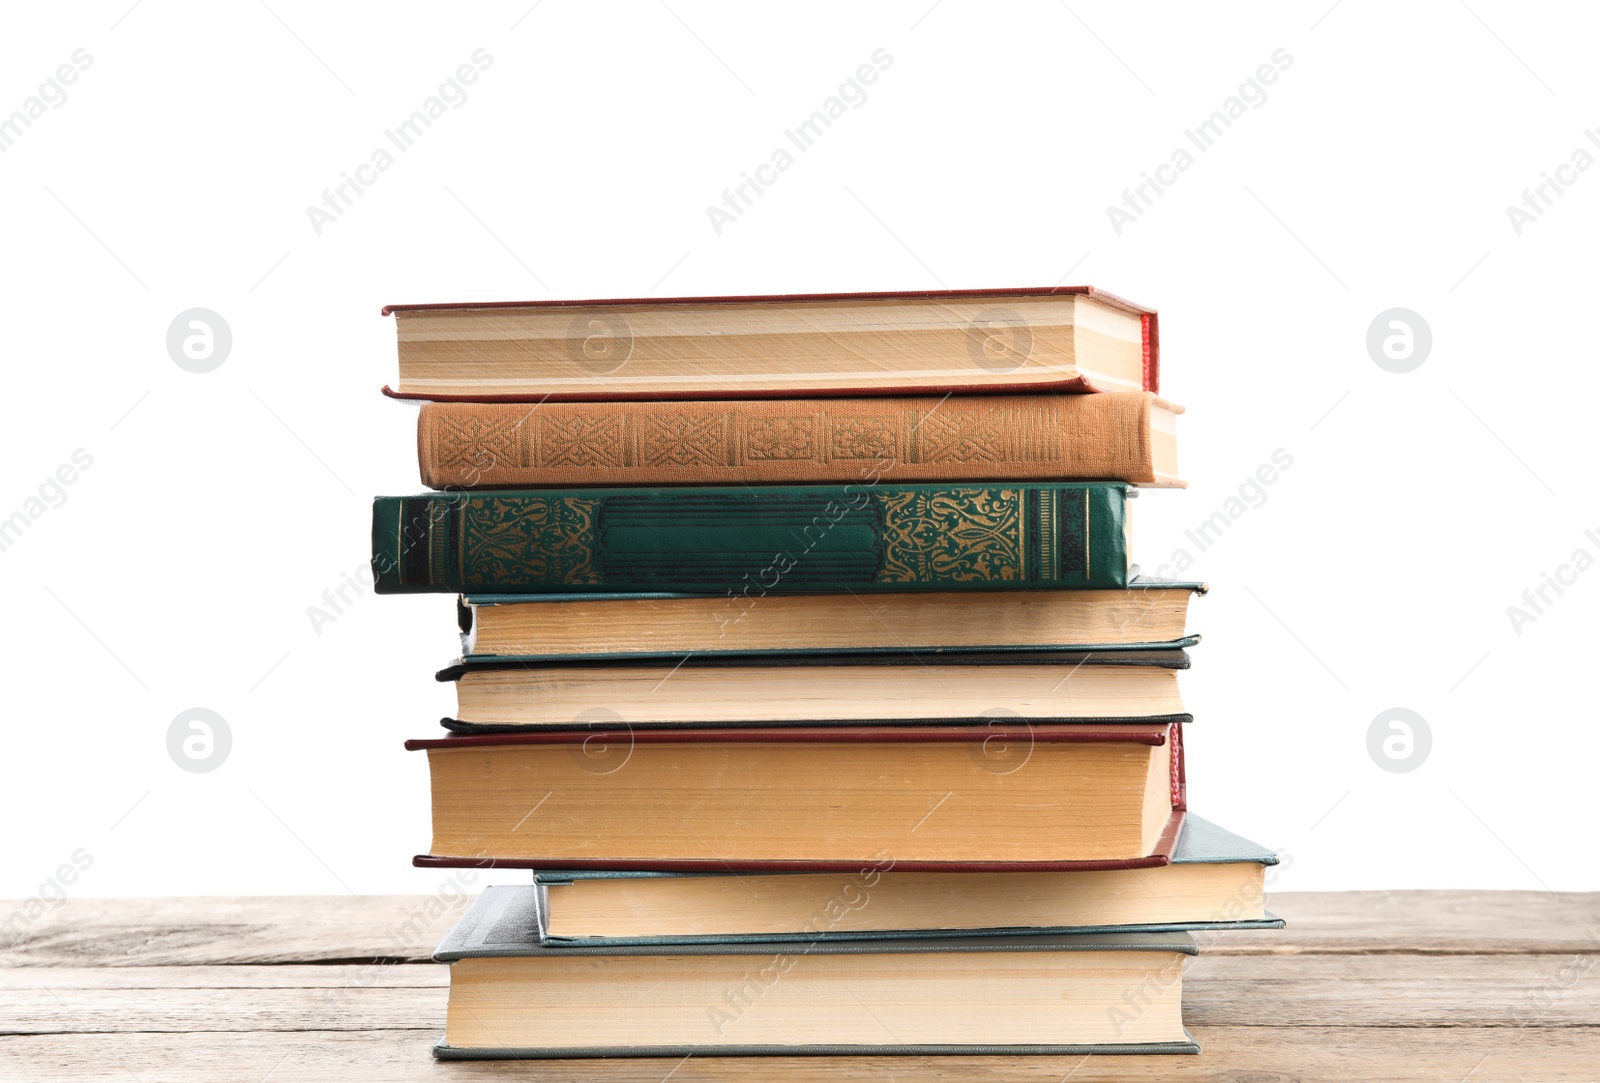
(748, 541)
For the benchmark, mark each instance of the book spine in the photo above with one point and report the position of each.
(1150, 334)
(787, 441)
(744, 542)
(1180, 785)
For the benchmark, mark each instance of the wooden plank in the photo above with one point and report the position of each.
(53, 1010)
(1543, 991)
(1262, 1054)
(287, 976)
(289, 929)
(1393, 990)
(1423, 923)
(254, 929)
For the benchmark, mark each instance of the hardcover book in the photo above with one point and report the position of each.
(511, 997)
(747, 542)
(1020, 687)
(1127, 437)
(1216, 881)
(1150, 615)
(1072, 338)
(824, 798)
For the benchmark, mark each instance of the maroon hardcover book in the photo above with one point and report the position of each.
(564, 798)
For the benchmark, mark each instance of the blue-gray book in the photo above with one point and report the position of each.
(1215, 881)
(513, 997)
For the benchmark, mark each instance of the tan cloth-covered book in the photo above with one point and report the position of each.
(799, 346)
(1120, 436)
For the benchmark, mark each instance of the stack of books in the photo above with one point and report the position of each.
(805, 667)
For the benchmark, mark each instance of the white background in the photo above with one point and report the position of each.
(1377, 572)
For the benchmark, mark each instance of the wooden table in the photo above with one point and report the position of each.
(1452, 986)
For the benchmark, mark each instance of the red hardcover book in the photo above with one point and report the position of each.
(979, 798)
(1063, 339)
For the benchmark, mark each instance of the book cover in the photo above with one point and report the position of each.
(752, 541)
(1125, 436)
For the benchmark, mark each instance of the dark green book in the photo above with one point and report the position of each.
(750, 541)
(513, 997)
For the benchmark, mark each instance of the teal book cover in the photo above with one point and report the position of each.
(754, 540)
(1201, 842)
